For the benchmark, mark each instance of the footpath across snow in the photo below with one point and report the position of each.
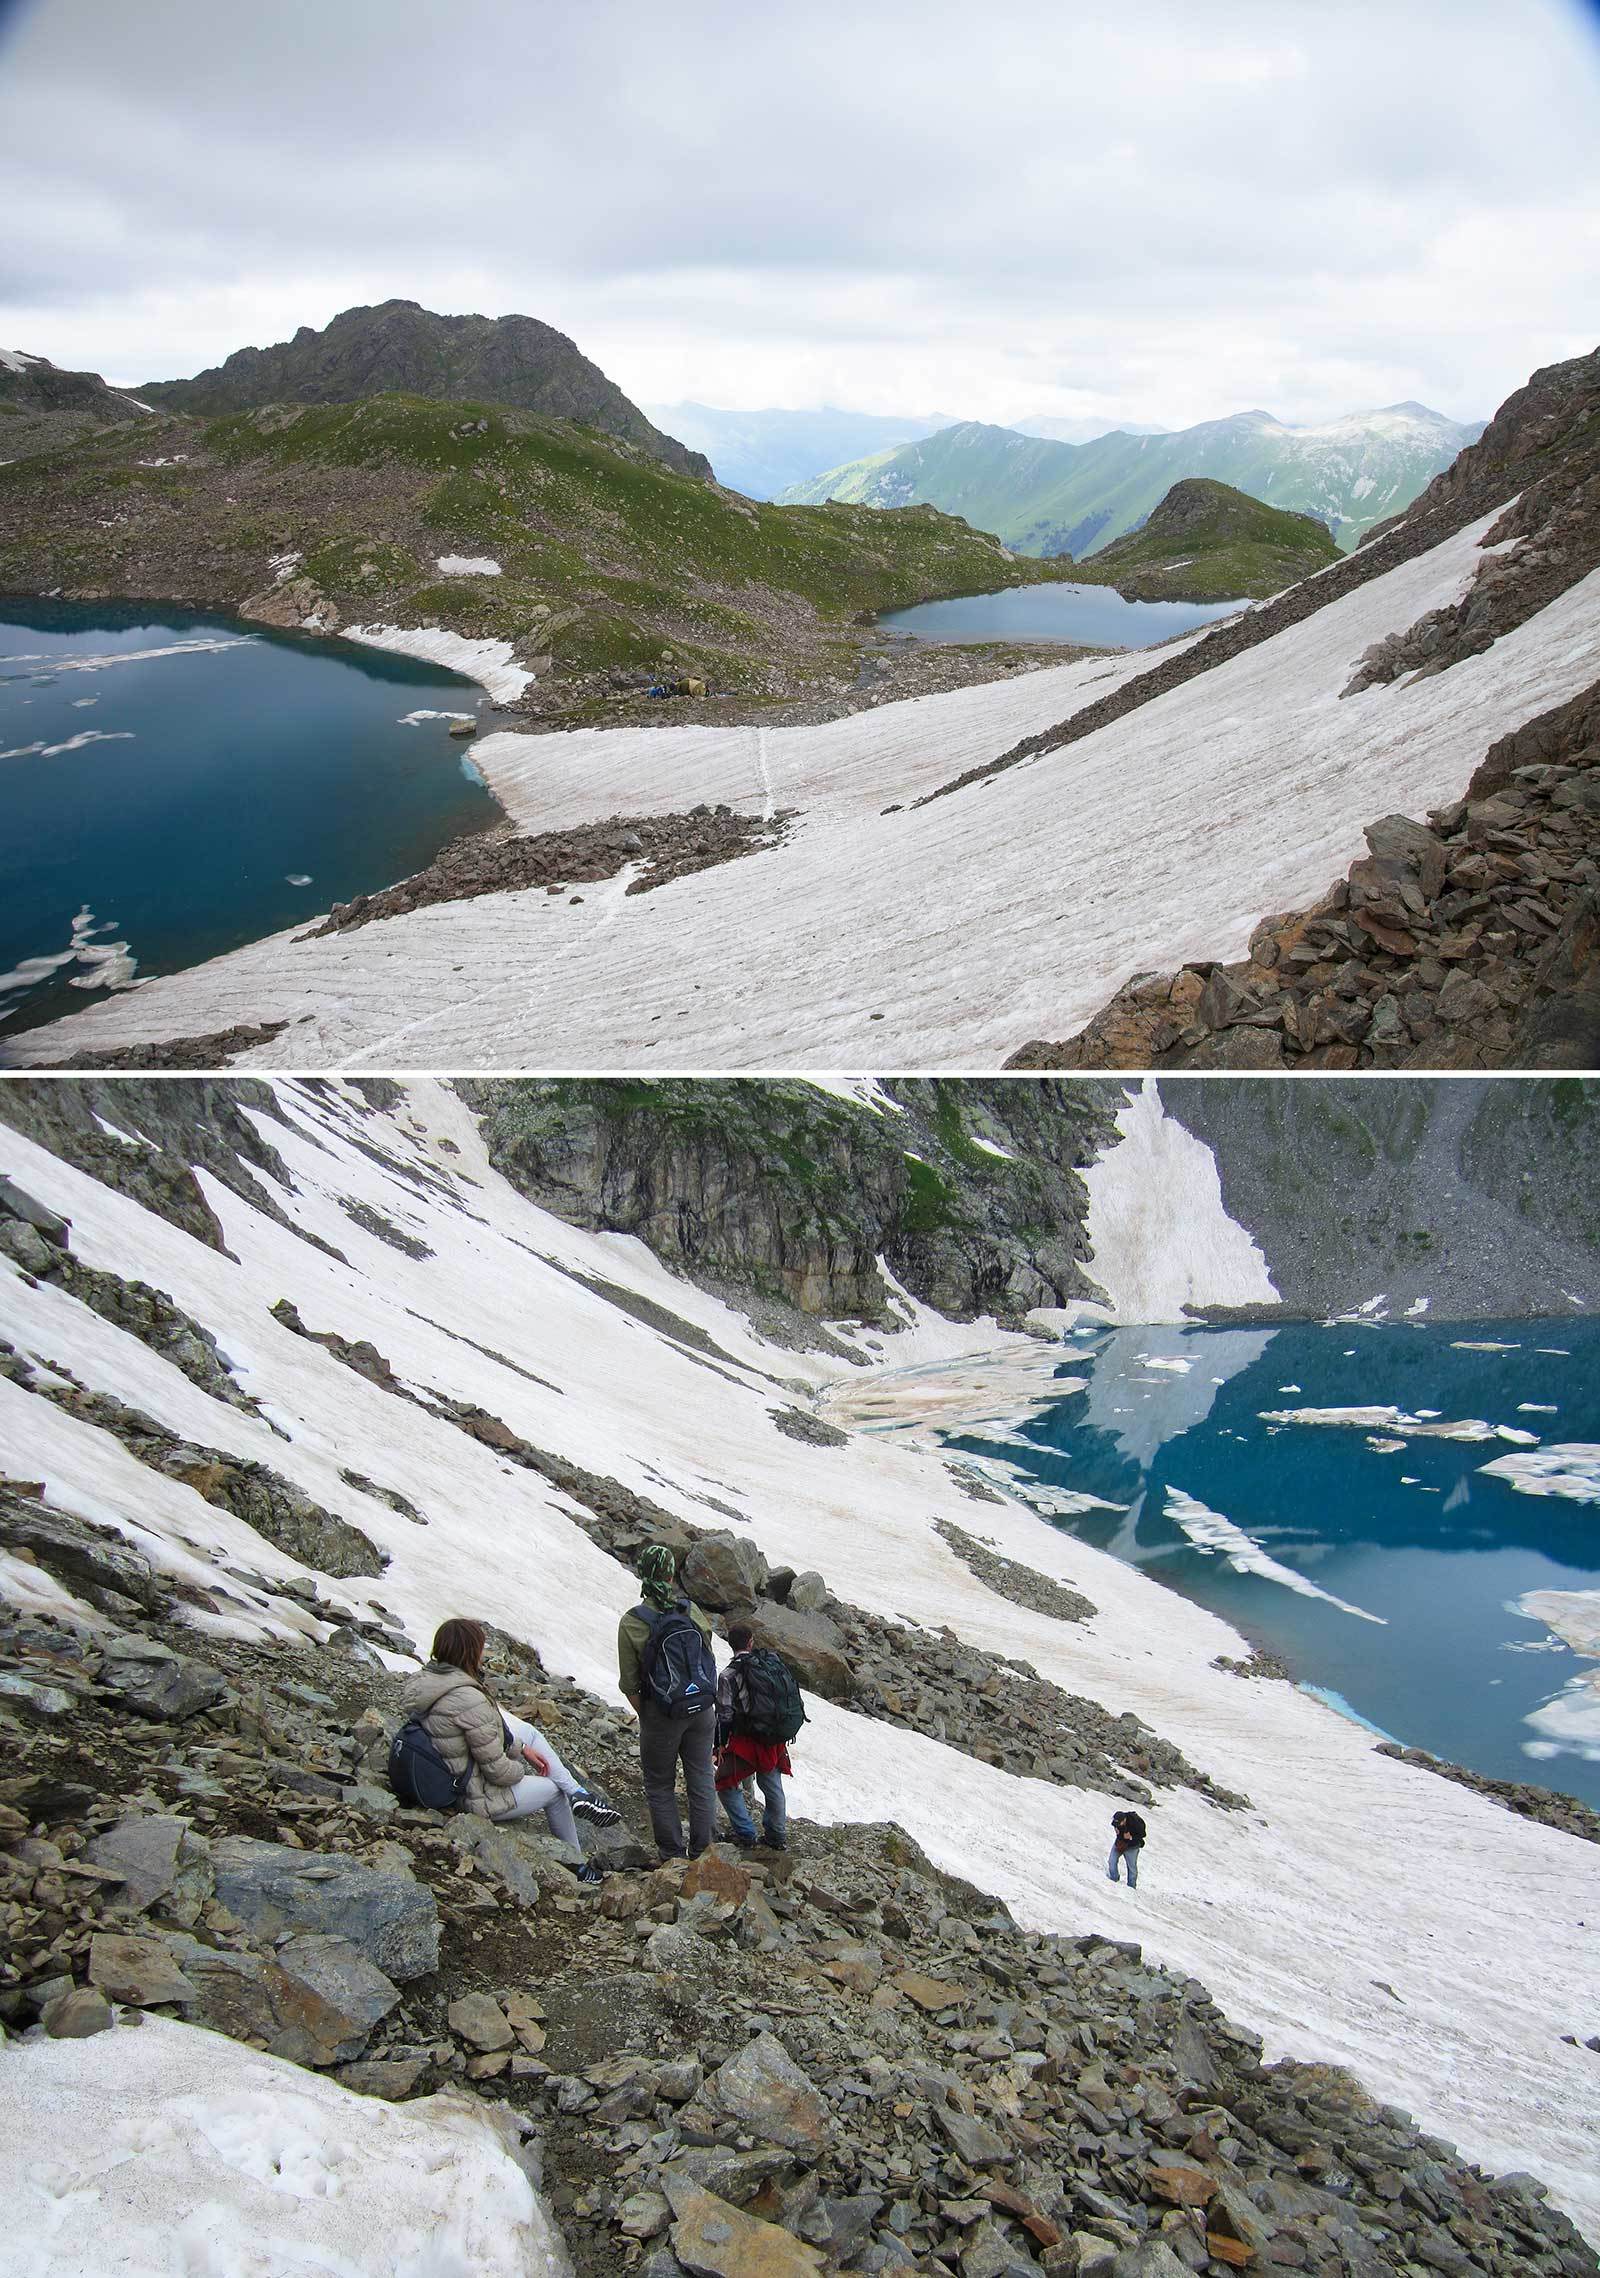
(880, 932)
(1362, 1911)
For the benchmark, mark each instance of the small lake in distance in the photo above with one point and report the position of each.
(174, 785)
(1088, 616)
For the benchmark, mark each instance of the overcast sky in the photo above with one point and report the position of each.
(1155, 210)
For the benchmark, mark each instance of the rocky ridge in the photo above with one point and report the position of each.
(834, 2059)
(402, 348)
(1468, 941)
(1207, 541)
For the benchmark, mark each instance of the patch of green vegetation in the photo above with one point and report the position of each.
(930, 1203)
(349, 565)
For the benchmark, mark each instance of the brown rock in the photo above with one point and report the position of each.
(931, 1994)
(75, 2015)
(766, 2092)
(715, 2240)
(723, 1878)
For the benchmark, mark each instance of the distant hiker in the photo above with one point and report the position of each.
(759, 1711)
(669, 1679)
(1127, 1832)
(499, 1767)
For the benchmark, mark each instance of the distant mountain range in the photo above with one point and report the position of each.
(1047, 497)
(399, 347)
(766, 453)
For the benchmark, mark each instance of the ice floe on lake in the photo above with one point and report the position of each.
(103, 660)
(72, 743)
(1569, 1468)
(1209, 1530)
(415, 719)
(1418, 1427)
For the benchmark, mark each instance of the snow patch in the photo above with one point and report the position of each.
(16, 359)
(1160, 1240)
(492, 664)
(468, 565)
(173, 2150)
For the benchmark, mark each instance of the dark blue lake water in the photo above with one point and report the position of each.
(183, 784)
(1091, 616)
(1418, 1534)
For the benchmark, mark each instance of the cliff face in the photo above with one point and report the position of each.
(399, 347)
(968, 1191)
(1483, 1198)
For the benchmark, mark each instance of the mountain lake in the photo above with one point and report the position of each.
(1088, 616)
(1389, 1568)
(173, 785)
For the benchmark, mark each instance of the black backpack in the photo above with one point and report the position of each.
(774, 1709)
(418, 1773)
(677, 1668)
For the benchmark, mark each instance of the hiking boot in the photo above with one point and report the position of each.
(589, 1872)
(591, 1808)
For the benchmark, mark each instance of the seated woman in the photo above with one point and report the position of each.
(514, 1771)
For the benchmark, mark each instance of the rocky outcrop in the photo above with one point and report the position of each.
(500, 861)
(279, 1511)
(43, 408)
(1470, 941)
(159, 1135)
(400, 346)
(969, 1190)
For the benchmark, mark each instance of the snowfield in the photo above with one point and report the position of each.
(1349, 1868)
(880, 933)
(174, 2150)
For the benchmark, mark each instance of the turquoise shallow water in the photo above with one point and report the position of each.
(1418, 1536)
(1093, 616)
(184, 784)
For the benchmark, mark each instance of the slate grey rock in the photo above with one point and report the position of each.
(766, 2092)
(392, 2079)
(156, 1682)
(80, 1558)
(162, 1862)
(971, 2139)
(389, 1917)
(327, 1997)
(52, 1701)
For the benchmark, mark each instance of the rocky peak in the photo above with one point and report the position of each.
(400, 347)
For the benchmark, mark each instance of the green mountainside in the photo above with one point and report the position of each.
(1045, 497)
(401, 348)
(607, 560)
(1209, 542)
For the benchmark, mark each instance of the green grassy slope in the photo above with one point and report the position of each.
(607, 557)
(1209, 542)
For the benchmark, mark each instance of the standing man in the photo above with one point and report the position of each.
(668, 1678)
(759, 1712)
(1127, 1831)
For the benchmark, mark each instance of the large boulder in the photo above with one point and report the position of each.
(81, 1557)
(724, 1574)
(715, 2240)
(390, 1918)
(813, 1646)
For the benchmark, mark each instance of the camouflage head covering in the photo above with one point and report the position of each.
(659, 1574)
